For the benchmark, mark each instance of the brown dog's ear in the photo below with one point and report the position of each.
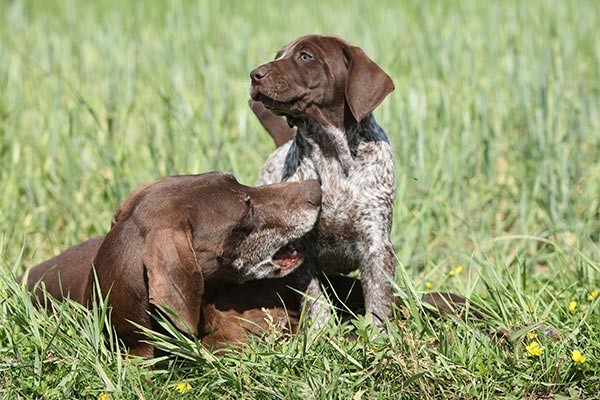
(367, 84)
(174, 276)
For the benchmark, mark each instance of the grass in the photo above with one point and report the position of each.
(495, 123)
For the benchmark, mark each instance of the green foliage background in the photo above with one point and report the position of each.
(495, 121)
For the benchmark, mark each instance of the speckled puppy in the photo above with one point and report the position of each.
(327, 89)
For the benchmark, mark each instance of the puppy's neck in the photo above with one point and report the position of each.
(333, 142)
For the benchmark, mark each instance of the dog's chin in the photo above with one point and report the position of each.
(281, 263)
(278, 106)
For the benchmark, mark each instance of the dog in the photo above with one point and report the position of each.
(327, 89)
(236, 313)
(173, 241)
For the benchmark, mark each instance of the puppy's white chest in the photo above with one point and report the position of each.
(338, 200)
(338, 211)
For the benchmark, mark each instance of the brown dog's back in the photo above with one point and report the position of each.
(67, 274)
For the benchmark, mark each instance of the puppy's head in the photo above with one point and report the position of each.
(173, 238)
(319, 77)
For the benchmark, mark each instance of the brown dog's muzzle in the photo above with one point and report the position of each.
(296, 193)
(259, 73)
(274, 85)
(313, 192)
(256, 78)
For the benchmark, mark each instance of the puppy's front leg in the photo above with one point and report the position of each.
(317, 304)
(377, 272)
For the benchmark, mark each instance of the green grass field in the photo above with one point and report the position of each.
(495, 121)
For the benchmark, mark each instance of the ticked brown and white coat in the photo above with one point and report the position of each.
(327, 89)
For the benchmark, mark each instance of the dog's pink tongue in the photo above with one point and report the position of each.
(288, 256)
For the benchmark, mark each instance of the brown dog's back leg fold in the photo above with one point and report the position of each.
(276, 126)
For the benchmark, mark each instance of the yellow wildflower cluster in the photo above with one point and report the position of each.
(456, 271)
(183, 387)
(573, 305)
(534, 349)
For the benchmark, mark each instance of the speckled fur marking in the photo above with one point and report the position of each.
(328, 88)
(357, 206)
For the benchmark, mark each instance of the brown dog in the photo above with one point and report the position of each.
(178, 238)
(234, 313)
(229, 315)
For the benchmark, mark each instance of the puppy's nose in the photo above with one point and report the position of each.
(259, 73)
(313, 193)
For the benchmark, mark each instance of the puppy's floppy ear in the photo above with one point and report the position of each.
(174, 275)
(367, 84)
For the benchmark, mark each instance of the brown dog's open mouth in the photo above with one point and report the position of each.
(289, 256)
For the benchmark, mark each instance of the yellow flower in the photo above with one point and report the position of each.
(593, 295)
(103, 396)
(578, 357)
(456, 271)
(572, 306)
(534, 349)
(183, 387)
(532, 335)
(428, 285)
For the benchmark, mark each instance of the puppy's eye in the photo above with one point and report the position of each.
(304, 56)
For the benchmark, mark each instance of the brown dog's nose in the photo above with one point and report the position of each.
(259, 73)
(313, 193)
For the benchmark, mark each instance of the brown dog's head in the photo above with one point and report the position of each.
(319, 77)
(173, 238)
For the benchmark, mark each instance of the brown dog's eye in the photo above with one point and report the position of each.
(304, 56)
